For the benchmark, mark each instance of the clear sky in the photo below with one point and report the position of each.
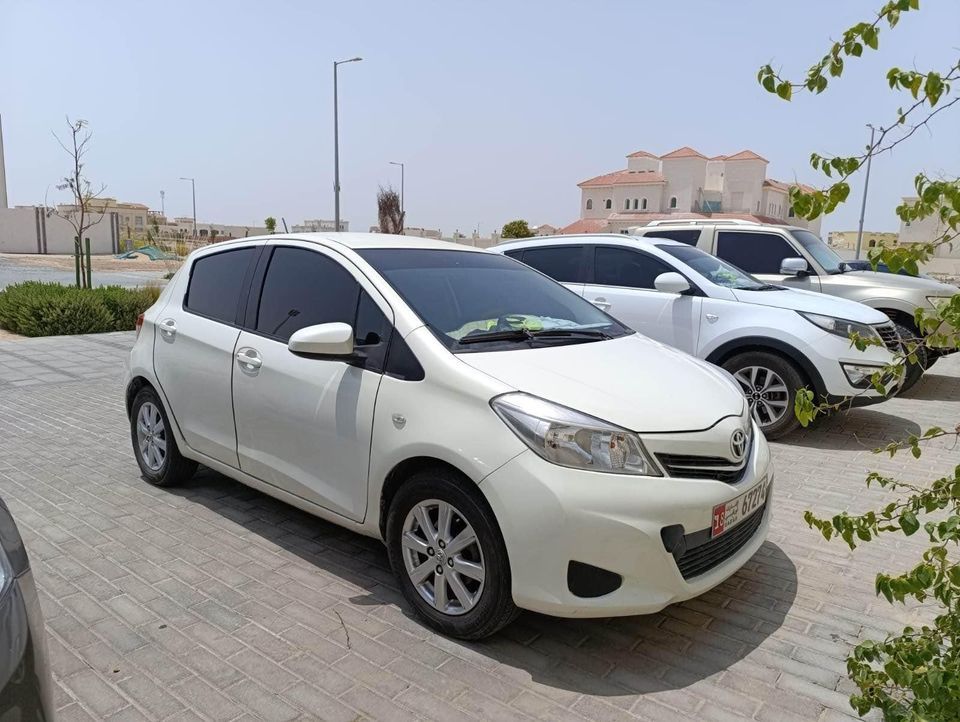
(498, 108)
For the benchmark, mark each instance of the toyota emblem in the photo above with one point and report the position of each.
(738, 444)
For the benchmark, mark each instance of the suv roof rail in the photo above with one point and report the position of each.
(701, 221)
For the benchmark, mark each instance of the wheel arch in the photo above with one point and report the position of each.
(786, 351)
(133, 388)
(401, 472)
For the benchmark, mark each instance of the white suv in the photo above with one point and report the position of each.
(485, 422)
(773, 340)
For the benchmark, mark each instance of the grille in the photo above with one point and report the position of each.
(713, 552)
(891, 339)
(703, 467)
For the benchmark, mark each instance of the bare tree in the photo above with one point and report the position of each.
(388, 211)
(82, 214)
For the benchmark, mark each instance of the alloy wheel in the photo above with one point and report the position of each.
(442, 556)
(151, 436)
(767, 394)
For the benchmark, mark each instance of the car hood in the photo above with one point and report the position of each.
(633, 382)
(929, 286)
(810, 302)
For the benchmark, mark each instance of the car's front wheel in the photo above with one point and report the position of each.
(158, 455)
(446, 548)
(913, 371)
(770, 383)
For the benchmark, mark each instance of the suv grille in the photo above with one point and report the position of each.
(703, 467)
(891, 339)
(714, 552)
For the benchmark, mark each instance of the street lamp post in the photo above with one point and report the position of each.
(393, 162)
(866, 185)
(336, 145)
(163, 207)
(193, 189)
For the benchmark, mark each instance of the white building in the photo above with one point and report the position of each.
(684, 184)
(320, 225)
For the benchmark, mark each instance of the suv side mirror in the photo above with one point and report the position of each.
(794, 267)
(671, 283)
(323, 339)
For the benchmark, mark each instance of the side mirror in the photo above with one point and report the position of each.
(324, 339)
(671, 283)
(794, 267)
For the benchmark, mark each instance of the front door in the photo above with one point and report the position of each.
(304, 423)
(622, 284)
(761, 254)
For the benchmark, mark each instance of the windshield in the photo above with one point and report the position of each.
(715, 270)
(824, 255)
(484, 301)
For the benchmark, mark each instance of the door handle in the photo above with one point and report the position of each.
(249, 358)
(168, 327)
(601, 303)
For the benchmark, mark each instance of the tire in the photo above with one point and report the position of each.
(778, 379)
(913, 371)
(154, 446)
(475, 608)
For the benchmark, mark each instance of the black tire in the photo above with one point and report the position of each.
(792, 379)
(913, 371)
(494, 608)
(174, 468)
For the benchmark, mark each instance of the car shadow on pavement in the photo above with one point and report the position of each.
(863, 429)
(613, 658)
(935, 387)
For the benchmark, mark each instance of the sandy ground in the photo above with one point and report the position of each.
(7, 336)
(100, 263)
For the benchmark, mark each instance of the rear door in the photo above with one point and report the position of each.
(622, 284)
(760, 253)
(193, 353)
(563, 263)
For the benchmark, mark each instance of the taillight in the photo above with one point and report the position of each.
(139, 324)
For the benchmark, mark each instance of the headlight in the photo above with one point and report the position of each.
(840, 326)
(566, 437)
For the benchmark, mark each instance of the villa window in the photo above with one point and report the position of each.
(790, 212)
(589, 204)
(673, 201)
(626, 204)
(608, 204)
(643, 204)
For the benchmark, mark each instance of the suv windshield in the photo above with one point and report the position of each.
(712, 268)
(824, 255)
(484, 301)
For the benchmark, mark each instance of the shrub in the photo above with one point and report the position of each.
(33, 308)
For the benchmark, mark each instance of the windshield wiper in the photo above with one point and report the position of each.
(567, 332)
(769, 287)
(513, 334)
(523, 334)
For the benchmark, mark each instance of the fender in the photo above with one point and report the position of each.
(761, 343)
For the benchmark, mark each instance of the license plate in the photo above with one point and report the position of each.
(731, 513)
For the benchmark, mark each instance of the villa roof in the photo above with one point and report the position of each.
(624, 177)
(643, 154)
(785, 187)
(684, 152)
(746, 155)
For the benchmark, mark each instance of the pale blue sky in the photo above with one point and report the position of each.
(498, 108)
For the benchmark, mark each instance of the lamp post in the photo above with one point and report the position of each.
(193, 189)
(866, 185)
(336, 145)
(163, 208)
(393, 162)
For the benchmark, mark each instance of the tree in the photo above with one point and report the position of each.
(913, 674)
(271, 223)
(516, 229)
(389, 213)
(82, 214)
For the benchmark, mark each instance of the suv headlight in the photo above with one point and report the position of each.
(840, 326)
(566, 437)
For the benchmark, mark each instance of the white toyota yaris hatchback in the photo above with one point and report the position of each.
(513, 445)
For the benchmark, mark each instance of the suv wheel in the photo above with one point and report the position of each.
(445, 546)
(770, 384)
(156, 450)
(913, 372)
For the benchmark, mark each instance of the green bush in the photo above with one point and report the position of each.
(33, 308)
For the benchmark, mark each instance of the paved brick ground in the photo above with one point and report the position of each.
(215, 602)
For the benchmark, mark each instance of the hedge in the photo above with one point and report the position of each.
(33, 308)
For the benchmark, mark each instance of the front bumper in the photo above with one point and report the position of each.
(550, 516)
(829, 354)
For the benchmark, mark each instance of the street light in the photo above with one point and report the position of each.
(866, 184)
(393, 162)
(336, 144)
(193, 188)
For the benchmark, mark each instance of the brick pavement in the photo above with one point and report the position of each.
(216, 602)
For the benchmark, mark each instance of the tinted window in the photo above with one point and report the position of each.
(303, 288)
(690, 237)
(562, 263)
(371, 332)
(463, 293)
(719, 271)
(754, 252)
(401, 363)
(216, 282)
(624, 267)
(518, 254)
(825, 256)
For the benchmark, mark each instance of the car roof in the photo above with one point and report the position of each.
(618, 239)
(356, 241)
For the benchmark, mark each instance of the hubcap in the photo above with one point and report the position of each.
(151, 436)
(766, 392)
(442, 557)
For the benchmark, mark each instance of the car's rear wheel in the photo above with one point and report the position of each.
(446, 549)
(158, 455)
(770, 384)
